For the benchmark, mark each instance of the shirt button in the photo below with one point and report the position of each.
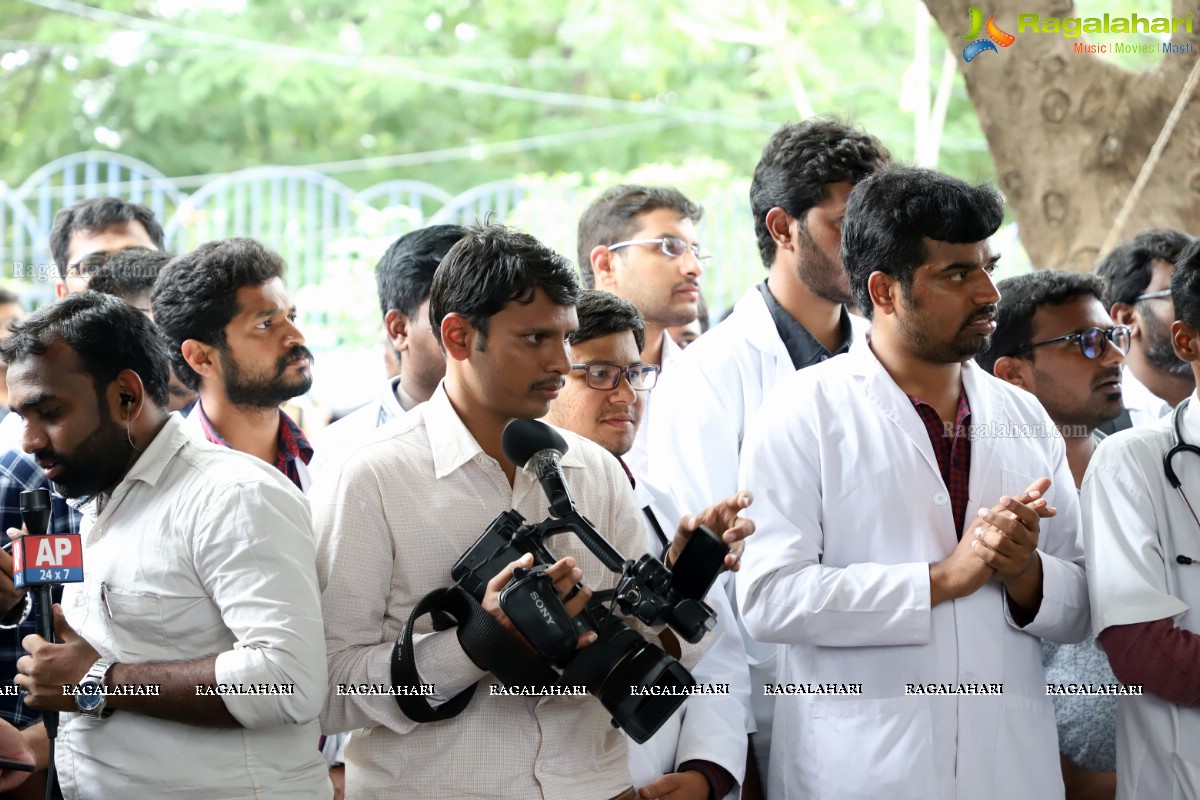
(941, 498)
(823, 358)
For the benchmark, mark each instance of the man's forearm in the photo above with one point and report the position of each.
(1025, 592)
(178, 699)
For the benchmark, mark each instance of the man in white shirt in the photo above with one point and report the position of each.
(402, 509)
(200, 593)
(797, 317)
(701, 751)
(402, 280)
(1142, 541)
(232, 332)
(84, 236)
(912, 622)
(1139, 279)
(639, 243)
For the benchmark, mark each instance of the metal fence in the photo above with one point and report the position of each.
(330, 234)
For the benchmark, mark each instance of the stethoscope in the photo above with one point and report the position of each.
(1180, 445)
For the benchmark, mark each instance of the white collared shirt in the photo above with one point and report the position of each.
(1134, 526)
(638, 457)
(1144, 406)
(201, 550)
(336, 441)
(390, 523)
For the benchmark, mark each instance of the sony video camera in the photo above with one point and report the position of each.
(620, 658)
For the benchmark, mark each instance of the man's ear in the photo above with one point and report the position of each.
(883, 289)
(779, 225)
(1013, 370)
(1184, 341)
(202, 358)
(1124, 314)
(126, 395)
(458, 336)
(603, 268)
(397, 325)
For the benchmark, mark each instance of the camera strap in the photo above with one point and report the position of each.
(481, 637)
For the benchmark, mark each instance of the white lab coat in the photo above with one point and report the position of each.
(708, 727)
(704, 404)
(851, 509)
(1135, 525)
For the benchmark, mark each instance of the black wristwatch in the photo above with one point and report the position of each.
(90, 697)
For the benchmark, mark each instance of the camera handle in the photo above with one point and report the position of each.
(583, 528)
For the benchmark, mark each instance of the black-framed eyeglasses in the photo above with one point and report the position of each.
(605, 377)
(89, 265)
(672, 246)
(1092, 341)
(1160, 295)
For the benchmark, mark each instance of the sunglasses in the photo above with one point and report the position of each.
(1165, 293)
(1092, 341)
(672, 246)
(605, 377)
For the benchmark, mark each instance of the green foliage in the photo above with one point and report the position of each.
(203, 86)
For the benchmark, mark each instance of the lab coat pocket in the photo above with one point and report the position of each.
(135, 623)
(868, 749)
(1027, 763)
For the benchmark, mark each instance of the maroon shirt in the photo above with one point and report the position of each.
(292, 444)
(952, 447)
(1158, 655)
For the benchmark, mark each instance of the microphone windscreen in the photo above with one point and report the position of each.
(524, 437)
(35, 500)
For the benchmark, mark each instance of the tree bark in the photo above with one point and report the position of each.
(1069, 132)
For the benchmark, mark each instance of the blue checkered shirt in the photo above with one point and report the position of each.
(20, 473)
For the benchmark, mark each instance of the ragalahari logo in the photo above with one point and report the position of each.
(994, 37)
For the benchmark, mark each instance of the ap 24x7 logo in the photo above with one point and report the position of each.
(994, 37)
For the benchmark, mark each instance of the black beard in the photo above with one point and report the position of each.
(97, 464)
(253, 391)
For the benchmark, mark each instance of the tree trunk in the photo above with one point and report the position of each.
(1069, 132)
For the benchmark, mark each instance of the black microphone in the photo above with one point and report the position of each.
(538, 448)
(35, 514)
(1186, 561)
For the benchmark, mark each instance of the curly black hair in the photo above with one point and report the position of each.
(797, 165)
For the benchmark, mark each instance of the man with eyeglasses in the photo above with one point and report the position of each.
(88, 230)
(1142, 541)
(1138, 273)
(794, 319)
(1055, 339)
(639, 243)
(701, 751)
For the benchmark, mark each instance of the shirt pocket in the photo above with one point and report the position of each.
(868, 749)
(134, 621)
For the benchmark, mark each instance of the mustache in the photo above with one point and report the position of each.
(686, 282)
(980, 313)
(552, 383)
(1110, 375)
(297, 351)
(48, 457)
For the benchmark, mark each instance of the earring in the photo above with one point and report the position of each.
(129, 436)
